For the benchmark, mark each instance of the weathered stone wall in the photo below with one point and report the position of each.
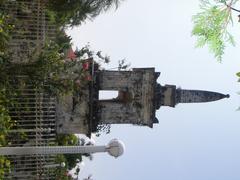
(139, 85)
(168, 95)
(73, 114)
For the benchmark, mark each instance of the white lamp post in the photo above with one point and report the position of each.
(62, 165)
(114, 148)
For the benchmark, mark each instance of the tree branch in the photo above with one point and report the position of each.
(229, 6)
(233, 9)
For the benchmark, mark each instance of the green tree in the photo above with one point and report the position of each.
(74, 12)
(5, 30)
(2, 2)
(212, 23)
(70, 140)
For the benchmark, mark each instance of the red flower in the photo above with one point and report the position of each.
(85, 66)
(71, 55)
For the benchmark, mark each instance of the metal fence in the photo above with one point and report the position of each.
(33, 111)
(34, 115)
(32, 27)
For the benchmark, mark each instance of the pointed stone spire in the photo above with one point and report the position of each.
(197, 96)
(170, 96)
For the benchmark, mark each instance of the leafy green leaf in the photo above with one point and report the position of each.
(238, 74)
(210, 27)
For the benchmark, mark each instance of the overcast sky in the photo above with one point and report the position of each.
(191, 141)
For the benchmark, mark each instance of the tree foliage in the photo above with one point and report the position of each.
(238, 75)
(69, 140)
(211, 25)
(49, 65)
(5, 30)
(74, 12)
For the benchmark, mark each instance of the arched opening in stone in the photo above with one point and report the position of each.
(108, 95)
(115, 96)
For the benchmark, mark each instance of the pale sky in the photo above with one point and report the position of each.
(191, 141)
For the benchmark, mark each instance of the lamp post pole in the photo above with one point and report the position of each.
(114, 148)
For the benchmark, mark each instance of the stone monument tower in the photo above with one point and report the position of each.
(139, 96)
(136, 102)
